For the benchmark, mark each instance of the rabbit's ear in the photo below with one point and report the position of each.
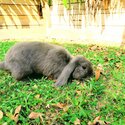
(65, 75)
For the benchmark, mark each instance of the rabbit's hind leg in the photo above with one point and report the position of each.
(19, 72)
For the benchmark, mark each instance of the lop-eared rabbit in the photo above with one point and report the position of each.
(25, 58)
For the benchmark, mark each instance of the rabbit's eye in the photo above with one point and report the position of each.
(84, 67)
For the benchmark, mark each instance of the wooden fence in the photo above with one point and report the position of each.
(102, 22)
(20, 14)
(80, 21)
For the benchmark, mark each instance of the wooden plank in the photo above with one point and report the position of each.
(103, 19)
(18, 10)
(20, 20)
(102, 11)
(123, 4)
(28, 2)
(77, 6)
(20, 26)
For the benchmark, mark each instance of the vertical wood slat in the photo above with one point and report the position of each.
(76, 13)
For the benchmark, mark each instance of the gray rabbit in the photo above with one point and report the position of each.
(26, 58)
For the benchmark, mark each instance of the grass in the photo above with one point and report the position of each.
(75, 102)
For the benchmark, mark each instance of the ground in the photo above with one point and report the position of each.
(37, 102)
(75, 36)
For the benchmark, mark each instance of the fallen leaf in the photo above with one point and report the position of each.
(98, 71)
(37, 96)
(100, 105)
(97, 74)
(78, 82)
(59, 105)
(50, 77)
(97, 121)
(90, 123)
(118, 65)
(79, 92)
(1, 114)
(49, 116)
(35, 86)
(93, 47)
(16, 114)
(9, 115)
(62, 106)
(41, 118)
(48, 106)
(78, 50)
(96, 48)
(65, 109)
(77, 122)
(34, 115)
(118, 53)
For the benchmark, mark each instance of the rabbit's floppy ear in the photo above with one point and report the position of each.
(65, 75)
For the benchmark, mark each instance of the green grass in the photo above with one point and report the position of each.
(85, 101)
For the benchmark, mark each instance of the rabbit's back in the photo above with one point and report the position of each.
(27, 51)
(26, 54)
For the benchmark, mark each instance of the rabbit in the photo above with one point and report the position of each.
(25, 58)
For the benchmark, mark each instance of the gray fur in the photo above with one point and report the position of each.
(26, 58)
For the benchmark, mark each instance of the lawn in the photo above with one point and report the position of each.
(36, 101)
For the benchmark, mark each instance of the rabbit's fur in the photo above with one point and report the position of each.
(26, 58)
